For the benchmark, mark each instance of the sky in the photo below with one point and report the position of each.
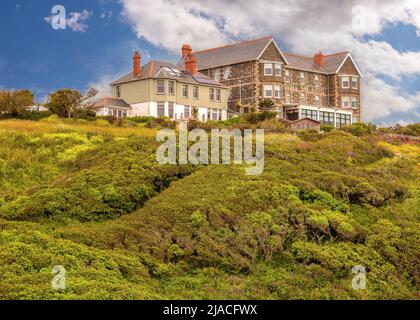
(100, 36)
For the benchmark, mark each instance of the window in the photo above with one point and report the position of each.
(170, 109)
(171, 87)
(277, 91)
(268, 91)
(161, 109)
(118, 89)
(316, 80)
(119, 113)
(354, 83)
(354, 102)
(288, 97)
(345, 84)
(302, 98)
(160, 86)
(186, 112)
(345, 102)
(317, 100)
(220, 115)
(211, 94)
(185, 91)
(214, 114)
(110, 112)
(115, 113)
(306, 113)
(277, 69)
(208, 114)
(218, 93)
(268, 69)
(195, 92)
(288, 76)
(217, 75)
(302, 77)
(326, 117)
(342, 119)
(226, 73)
(124, 114)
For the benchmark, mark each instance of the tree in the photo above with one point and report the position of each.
(15, 102)
(68, 103)
(266, 105)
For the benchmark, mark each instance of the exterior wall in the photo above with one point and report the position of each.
(150, 109)
(104, 111)
(304, 124)
(294, 88)
(348, 69)
(140, 93)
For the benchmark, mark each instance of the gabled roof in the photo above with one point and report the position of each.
(156, 70)
(111, 102)
(302, 63)
(332, 62)
(232, 53)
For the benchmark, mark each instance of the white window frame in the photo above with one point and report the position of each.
(302, 77)
(171, 87)
(302, 97)
(268, 87)
(211, 94)
(268, 68)
(316, 80)
(354, 100)
(118, 89)
(277, 89)
(218, 95)
(288, 76)
(277, 66)
(343, 79)
(354, 80)
(185, 90)
(157, 86)
(196, 94)
(345, 99)
(157, 108)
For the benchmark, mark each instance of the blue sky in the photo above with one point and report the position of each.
(33, 55)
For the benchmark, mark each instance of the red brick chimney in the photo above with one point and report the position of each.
(136, 64)
(319, 59)
(191, 63)
(186, 50)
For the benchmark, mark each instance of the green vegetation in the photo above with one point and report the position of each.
(91, 197)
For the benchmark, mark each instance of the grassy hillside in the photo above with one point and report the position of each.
(92, 198)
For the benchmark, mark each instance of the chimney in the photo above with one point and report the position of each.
(319, 59)
(191, 63)
(136, 64)
(186, 50)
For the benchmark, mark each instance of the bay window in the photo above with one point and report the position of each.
(268, 69)
(268, 91)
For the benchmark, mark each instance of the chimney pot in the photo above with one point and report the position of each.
(136, 64)
(186, 50)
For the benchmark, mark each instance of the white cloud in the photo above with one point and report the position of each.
(305, 26)
(76, 21)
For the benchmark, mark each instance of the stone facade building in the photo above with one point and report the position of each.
(325, 88)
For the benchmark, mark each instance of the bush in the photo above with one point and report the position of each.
(359, 129)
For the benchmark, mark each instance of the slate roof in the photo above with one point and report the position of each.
(111, 102)
(251, 51)
(230, 54)
(154, 70)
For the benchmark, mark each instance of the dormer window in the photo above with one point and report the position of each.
(217, 75)
(345, 82)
